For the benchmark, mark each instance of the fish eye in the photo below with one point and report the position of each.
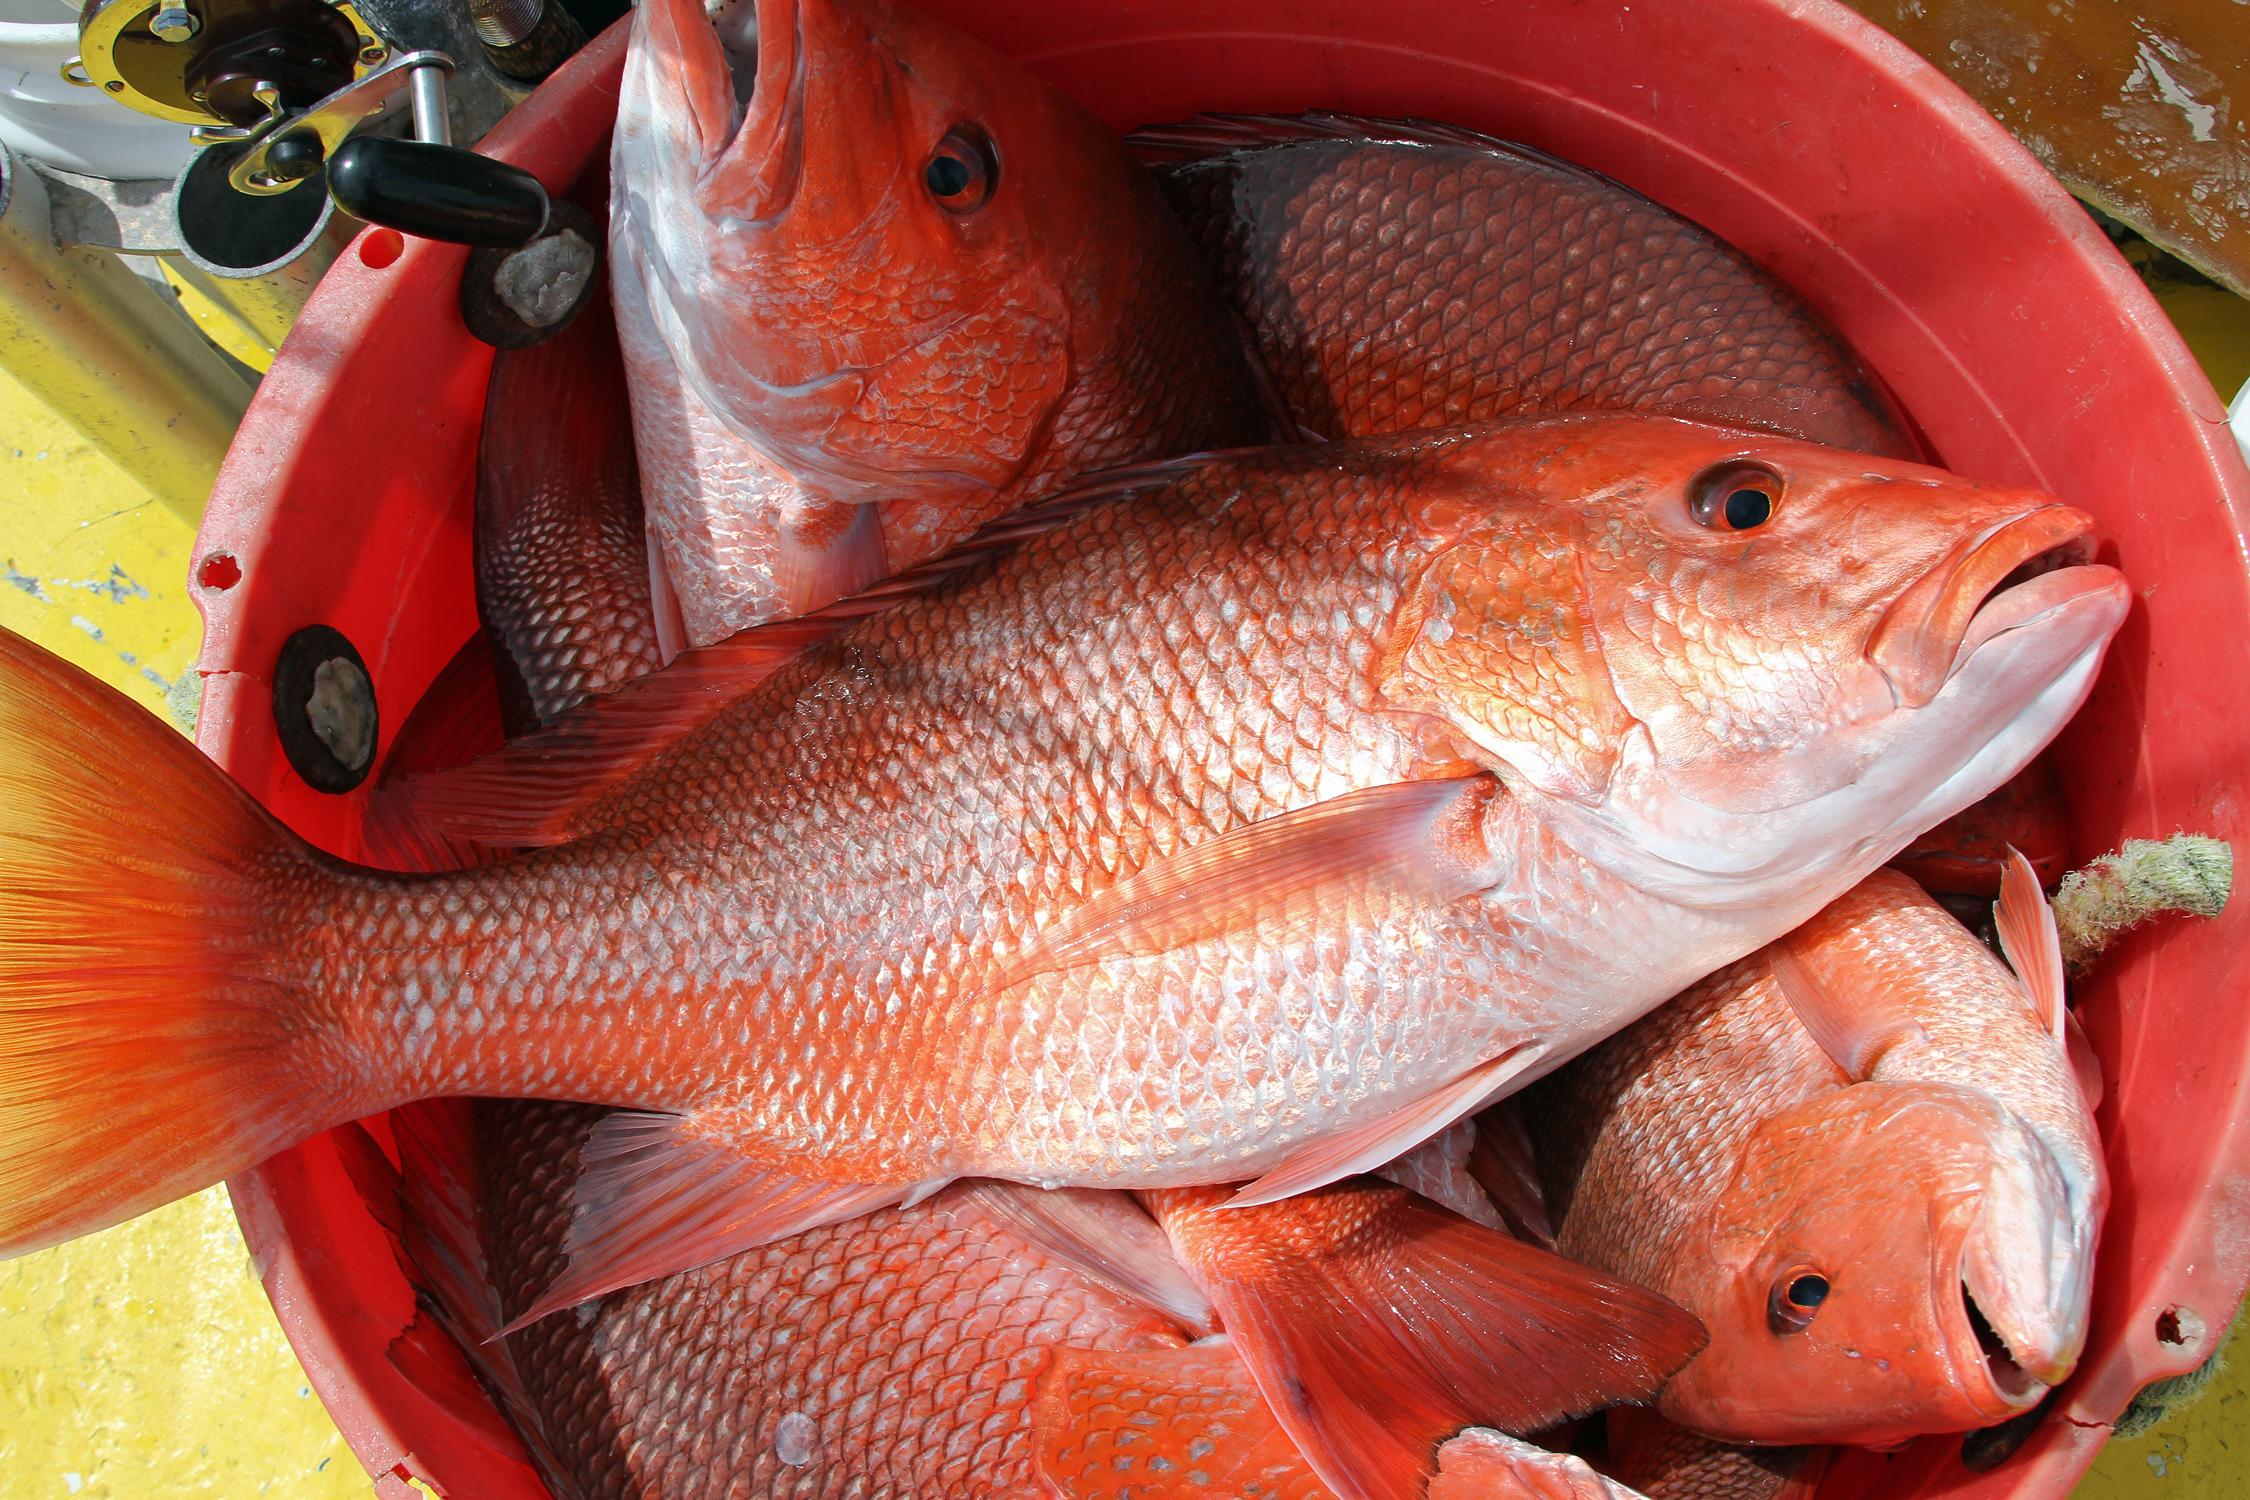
(1735, 497)
(963, 170)
(1794, 1299)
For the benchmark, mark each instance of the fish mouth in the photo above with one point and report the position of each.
(2016, 1386)
(751, 171)
(1998, 580)
(2022, 1306)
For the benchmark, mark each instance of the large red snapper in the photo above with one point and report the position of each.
(877, 284)
(1255, 821)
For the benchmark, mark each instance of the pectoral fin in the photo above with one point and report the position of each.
(1378, 1325)
(1104, 1235)
(1414, 836)
(1854, 1030)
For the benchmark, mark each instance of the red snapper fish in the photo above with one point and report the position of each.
(1865, 1156)
(1249, 818)
(996, 1338)
(561, 557)
(877, 284)
(1401, 274)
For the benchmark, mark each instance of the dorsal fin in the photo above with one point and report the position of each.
(2029, 937)
(2085, 1066)
(542, 789)
(456, 721)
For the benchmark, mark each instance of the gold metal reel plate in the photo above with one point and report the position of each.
(141, 70)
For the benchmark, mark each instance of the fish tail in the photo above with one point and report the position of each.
(143, 1054)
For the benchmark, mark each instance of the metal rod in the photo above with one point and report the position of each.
(430, 123)
(113, 356)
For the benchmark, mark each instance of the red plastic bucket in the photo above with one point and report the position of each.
(2023, 346)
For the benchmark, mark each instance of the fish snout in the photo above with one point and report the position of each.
(1921, 636)
(2026, 1274)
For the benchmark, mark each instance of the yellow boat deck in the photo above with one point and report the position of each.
(145, 1363)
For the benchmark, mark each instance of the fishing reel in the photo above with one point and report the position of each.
(295, 92)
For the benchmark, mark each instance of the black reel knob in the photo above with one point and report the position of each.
(436, 192)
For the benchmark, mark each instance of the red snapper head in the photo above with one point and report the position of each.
(879, 250)
(1737, 670)
(1860, 1268)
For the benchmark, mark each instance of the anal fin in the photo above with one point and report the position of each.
(1366, 1147)
(658, 1194)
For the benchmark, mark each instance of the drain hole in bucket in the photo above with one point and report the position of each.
(379, 247)
(219, 571)
(2180, 1327)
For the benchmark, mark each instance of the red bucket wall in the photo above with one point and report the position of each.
(2022, 344)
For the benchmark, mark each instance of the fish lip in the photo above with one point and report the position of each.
(2009, 1386)
(752, 178)
(1930, 629)
(2013, 1387)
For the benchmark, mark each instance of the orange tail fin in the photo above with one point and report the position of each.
(142, 1056)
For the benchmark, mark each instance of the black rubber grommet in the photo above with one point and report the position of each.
(324, 709)
(488, 314)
